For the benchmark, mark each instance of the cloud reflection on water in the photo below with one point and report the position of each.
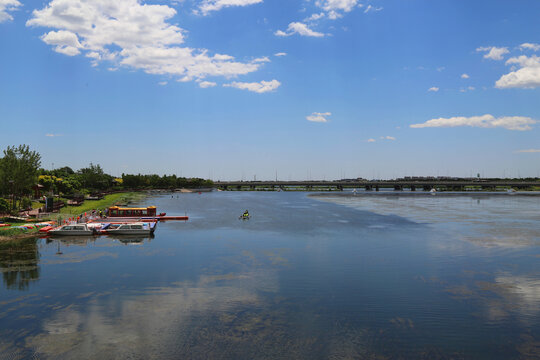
(486, 221)
(158, 321)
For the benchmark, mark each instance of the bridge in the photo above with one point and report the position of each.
(412, 185)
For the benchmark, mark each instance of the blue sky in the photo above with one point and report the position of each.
(233, 89)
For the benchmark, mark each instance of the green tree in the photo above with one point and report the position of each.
(18, 172)
(93, 177)
(4, 206)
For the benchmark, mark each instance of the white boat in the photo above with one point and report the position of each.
(72, 229)
(135, 228)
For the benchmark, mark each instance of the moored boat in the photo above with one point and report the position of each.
(132, 228)
(116, 213)
(72, 229)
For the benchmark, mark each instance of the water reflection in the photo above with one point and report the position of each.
(472, 219)
(20, 260)
(72, 240)
(19, 263)
(132, 239)
(163, 320)
(301, 279)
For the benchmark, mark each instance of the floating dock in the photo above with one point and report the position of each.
(139, 218)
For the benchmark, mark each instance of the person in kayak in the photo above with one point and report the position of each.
(245, 215)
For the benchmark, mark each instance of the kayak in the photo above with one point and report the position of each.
(46, 229)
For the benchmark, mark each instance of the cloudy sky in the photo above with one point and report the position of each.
(301, 89)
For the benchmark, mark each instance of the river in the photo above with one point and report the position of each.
(307, 277)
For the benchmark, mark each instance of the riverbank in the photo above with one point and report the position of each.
(109, 200)
(17, 234)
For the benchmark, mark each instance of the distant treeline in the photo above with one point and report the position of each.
(163, 182)
(21, 172)
(94, 179)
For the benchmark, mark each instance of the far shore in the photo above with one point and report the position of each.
(427, 193)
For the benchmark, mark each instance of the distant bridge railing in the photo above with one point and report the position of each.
(413, 185)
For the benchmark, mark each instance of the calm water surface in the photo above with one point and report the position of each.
(330, 277)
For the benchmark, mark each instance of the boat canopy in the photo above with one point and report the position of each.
(116, 211)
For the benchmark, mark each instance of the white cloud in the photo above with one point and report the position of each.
(465, 76)
(527, 77)
(208, 6)
(315, 17)
(471, 88)
(53, 135)
(300, 29)
(280, 54)
(162, 83)
(5, 6)
(520, 123)
(335, 8)
(207, 84)
(66, 42)
(261, 60)
(433, 89)
(371, 8)
(388, 138)
(524, 61)
(493, 52)
(333, 15)
(371, 140)
(318, 117)
(529, 46)
(529, 151)
(332, 9)
(337, 5)
(130, 34)
(258, 87)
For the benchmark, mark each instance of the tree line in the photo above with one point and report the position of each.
(20, 172)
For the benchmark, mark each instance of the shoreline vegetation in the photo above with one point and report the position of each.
(124, 198)
(15, 234)
(28, 190)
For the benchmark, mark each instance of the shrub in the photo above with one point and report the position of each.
(4, 206)
(26, 203)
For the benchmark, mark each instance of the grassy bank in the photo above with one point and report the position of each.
(9, 234)
(108, 200)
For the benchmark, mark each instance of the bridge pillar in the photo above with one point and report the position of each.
(398, 188)
(413, 188)
(368, 188)
(340, 187)
(239, 187)
(376, 187)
